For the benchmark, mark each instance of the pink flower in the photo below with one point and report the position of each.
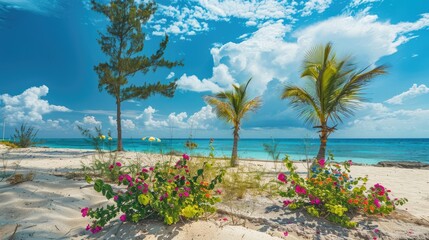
(88, 227)
(118, 164)
(300, 190)
(121, 178)
(285, 234)
(145, 170)
(225, 219)
(186, 194)
(322, 162)
(185, 156)
(350, 162)
(123, 218)
(84, 211)
(96, 229)
(377, 203)
(115, 198)
(151, 169)
(287, 202)
(111, 167)
(376, 230)
(314, 200)
(282, 177)
(219, 191)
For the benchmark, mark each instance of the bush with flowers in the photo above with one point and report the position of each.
(171, 192)
(331, 193)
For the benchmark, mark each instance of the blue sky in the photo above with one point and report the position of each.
(48, 49)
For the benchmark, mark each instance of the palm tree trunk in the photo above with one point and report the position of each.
(118, 125)
(323, 140)
(234, 160)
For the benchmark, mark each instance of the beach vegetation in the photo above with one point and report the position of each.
(25, 136)
(232, 106)
(333, 194)
(333, 91)
(123, 43)
(9, 144)
(167, 191)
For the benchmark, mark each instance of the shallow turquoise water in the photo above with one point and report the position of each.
(367, 151)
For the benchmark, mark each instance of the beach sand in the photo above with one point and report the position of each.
(49, 206)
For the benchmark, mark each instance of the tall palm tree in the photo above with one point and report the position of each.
(232, 106)
(334, 90)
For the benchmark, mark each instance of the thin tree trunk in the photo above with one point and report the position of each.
(118, 125)
(323, 140)
(234, 160)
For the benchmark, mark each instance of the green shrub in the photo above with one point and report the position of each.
(8, 144)
(330, 192)
(25, 136)
(171, 192)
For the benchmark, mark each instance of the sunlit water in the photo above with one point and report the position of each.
(367, 151)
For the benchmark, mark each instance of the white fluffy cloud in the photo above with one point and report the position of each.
(315, 5)
(266, 55)
(28, 106)
(171, 75)
(189, 20)
(199, 120)
(414, 91)
(377, 120)
(356, 3)
(126, 123)
(88, 122)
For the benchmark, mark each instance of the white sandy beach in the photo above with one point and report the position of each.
(49, 206)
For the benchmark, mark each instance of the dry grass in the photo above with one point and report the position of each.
(18, 178)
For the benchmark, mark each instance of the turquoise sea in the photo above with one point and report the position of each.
(367, 151)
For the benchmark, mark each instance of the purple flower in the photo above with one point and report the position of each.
(185, 156)
(115, 198)
(282, 177)
(84, 211)
(123, 217)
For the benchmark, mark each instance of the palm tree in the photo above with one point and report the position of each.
(334, 91)
(232, 106)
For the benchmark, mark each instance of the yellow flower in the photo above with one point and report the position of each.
(102, 137)
(110, 138)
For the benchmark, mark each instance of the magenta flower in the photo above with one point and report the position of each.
(151, 169)
(115, 198)
(96, 229)
(219, 191)
(300, 190)
(285, 234)
(314, 201)
(322, 162)
(118, 164)
(111, 167)
(377, 203)
(350, 162)
(282, 177)
(185, 156)
(287, 202)
(186, 194)
(88, 227)
(123, 218)
(145, 170)
(121, 178)
(84, 211)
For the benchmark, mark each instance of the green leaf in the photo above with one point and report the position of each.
(200, 172)
(98, 185)
(88, 179)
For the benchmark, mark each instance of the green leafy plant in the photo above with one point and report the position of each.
(25, 136)
(331, 193)
(171, 192)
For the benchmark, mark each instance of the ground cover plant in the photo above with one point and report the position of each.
(168, 191)
(330, 192)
